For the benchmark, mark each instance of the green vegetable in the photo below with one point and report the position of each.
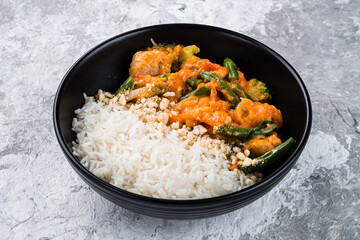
(197, 92)
(240, 92)
(153, 42)
(258, 91)
(188, 52)
(187, 95)
(159, 90)
(206, 76)
(127, 85)
(254, 130)
(193, 83)
(163, 75)
(233, 99)
(271, 156)
(226, 87)
(233, 132)
(229, 149)
(245, 134)
(202, 91)
(229, 64)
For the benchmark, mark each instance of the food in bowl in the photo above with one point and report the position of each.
(180, 127)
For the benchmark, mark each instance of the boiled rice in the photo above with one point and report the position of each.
(115, 145)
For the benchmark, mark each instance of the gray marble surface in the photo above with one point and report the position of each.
(41, 197)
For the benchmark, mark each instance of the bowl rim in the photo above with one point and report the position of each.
(251, 190)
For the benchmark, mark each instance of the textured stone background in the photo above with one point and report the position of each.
(41, 197)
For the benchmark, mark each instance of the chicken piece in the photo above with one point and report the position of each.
(249, 114)
(195, 110)
(147, 86)
(154, 61)
(198, 65)
(259, 144)
(177, 82)
(209, 110)
(242, 81)
(145, 80)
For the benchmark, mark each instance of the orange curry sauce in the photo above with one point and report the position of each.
(147, 67)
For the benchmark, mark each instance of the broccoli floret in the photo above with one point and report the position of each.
(188, 52)
(160, 89)
(258, 91)
(185, 53)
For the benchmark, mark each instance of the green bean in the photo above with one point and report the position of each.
(202, 91)
(240, 92)
(193, 83)
(197, 92)
(244, 133)
(226, 87)
(233, 75)
(233, 132)
(229, 64)
(187, 95)
(127, 85)
(208, 77)
(270, 157)
(254, 130)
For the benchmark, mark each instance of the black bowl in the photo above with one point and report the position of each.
(106, 67)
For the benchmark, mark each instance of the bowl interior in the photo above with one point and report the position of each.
(106, 67)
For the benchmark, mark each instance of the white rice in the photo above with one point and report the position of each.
(115, 145)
